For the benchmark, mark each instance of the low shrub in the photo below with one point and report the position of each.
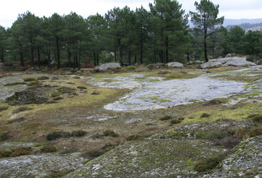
(19, 119)
(130, 68)
(54, 136)
(62, 134)
(227, 142)
(167, 117)
(66, 89)
(68, 150)
(207, 164)
(15, 152)
(21, 151)
(255, 132)
(43, 78)
(81, 87)
(29, 79)
(93, 153)
(78, 133)
(204, 115)
(2, 108)
(3, 136)
(21, 109)
(16, 83)
(58, 174)
(110, 133)
(214, 134)
(58, 98)
(48, 149)
(255, 117)
(176, 121)
(134, 137)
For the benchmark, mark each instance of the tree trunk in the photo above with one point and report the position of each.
(32, 52)
(141, 48)
(49, 58)
(97, 58)
(2, 55)
(115, 56)
(167, 49)
(79, 59)
(129, 57)
(58, 52)
(38, 56)
(205, 48)
(135, 58)
(21, 58)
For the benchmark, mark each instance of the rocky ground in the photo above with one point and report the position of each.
(60, 123)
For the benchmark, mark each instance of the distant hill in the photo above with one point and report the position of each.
(246, 24)
(228, 22)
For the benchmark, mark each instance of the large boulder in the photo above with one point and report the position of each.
(227, 61)
(210, 64)
(238, 61)
(174, 64)
(111, 65)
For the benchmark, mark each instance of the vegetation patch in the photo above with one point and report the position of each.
(21, 109)
(30, 96)
(2, 108)
(207, 164)
(255, 117)
(4, 136)
(176, 121)
(64, 89)
(48, 149)
(15, 152)
(62, 134)
(58, 174)
(19, 119)
(93, 153)
(82, 87)
(30, 79)
(164, 118)
(43, 78)
(110, 133)
(16, 83)
(135, 137)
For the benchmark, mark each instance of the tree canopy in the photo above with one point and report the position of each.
(160, 34)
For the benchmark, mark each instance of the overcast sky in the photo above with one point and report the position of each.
(9, 9)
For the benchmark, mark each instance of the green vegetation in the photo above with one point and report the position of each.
(48, 149)
(110, 133)
(62, 134)
(207, 164)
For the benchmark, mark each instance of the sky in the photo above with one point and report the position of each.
(9, 9)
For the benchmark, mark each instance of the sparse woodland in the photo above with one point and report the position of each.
(161, 34)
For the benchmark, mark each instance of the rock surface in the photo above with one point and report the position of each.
(149, 158)
(104, 67)
(38, 165)
(175, 64)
